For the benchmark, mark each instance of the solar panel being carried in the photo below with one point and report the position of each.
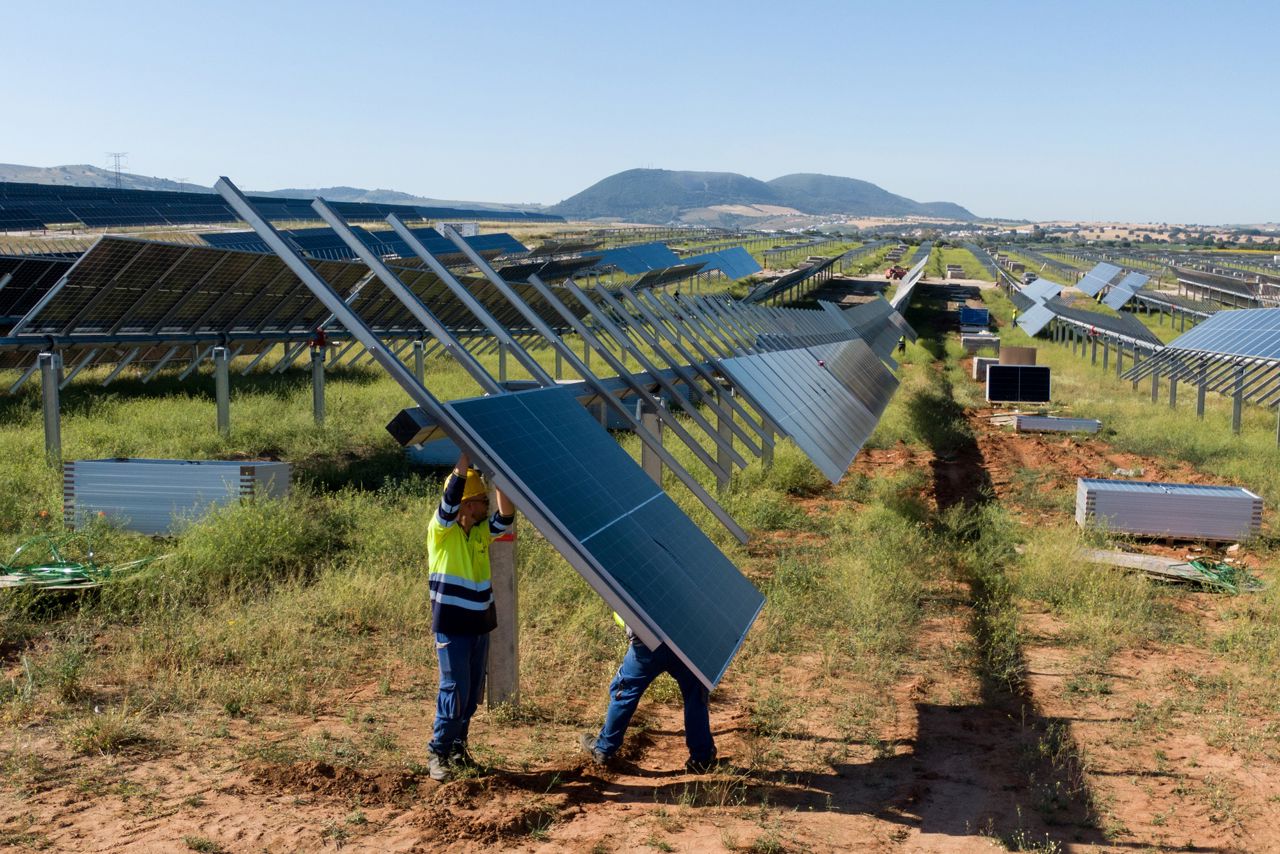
(649, 553)
(1097, 278)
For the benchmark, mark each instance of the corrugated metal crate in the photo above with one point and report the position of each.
(1181, 510)
(973, 343)
(980, 365)
(1055, 424)
(161, 496)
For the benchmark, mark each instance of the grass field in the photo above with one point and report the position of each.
(944, 255)
(923, 616)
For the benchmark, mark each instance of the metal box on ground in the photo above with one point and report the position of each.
(1181, 510)
(1055, 424)
(974, 343)
(980, 365)
(161, 496)
(1018, 356)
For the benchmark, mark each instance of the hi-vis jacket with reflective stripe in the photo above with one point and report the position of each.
(461, 592)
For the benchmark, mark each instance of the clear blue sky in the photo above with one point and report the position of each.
(1143, 111)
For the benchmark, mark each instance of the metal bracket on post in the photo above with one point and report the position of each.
(1202, 388)
(50, 371)
(222, 387)
(420, 360)
(504, 641)
(647, 415)
(723, 422)
(317, 385)
(1237, 402)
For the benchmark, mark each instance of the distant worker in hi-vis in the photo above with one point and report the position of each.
(640, 666)
(462, 611)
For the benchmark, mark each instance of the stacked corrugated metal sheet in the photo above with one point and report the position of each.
(980, 365)
(1055, 424)
(1182, 510)
(161, 496)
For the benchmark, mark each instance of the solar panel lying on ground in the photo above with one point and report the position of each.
(1018, 384)
(1097, 278)
(650, 555)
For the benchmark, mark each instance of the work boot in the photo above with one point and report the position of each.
(460, 757)
(702, 766)
(438, 767)
(587, 742)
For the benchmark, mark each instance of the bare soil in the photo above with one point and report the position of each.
(1083, 760)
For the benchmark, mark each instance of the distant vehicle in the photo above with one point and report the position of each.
(1029, 277)
(895, 272)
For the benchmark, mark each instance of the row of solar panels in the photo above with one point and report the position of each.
(1040, 303)
(25, 206)
(806, 373)
(323, 243)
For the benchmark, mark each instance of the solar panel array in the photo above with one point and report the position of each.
(324, 243)
(1041, 290)
(902, 296)
(1124, 290)
(640, 258)
(1098, 278)
(735, 262)
(25, 279)
(25, 206)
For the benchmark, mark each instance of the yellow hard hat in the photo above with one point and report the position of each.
(475, 488)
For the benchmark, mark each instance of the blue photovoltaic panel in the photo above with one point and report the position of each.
(1041, 290)
(1097, 278)
(970, 316)
(1117, 298)
(810, 403)
(647, 552)
(1035, 319)
(640, 258)
(1251, 332)
(324, 242)
(1132, 281)
(736, 263)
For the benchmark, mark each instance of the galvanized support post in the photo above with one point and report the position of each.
(1119, 358)
(647, 415)
(723, 456)
(420, 360)
(502, 362)
(50, 371)
(1237, 402)
(1106, 353)
(1202, 382)
(317, 385)
(1278, 425)
(1173, 391)
(1135, 364)
(1155, 385)
(1094, 358)
(559, 365)
(503, 680)
(222, 387)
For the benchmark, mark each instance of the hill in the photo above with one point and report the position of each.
(84, 175)
(663, 195)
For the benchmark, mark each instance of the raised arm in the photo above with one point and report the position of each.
(451, 500)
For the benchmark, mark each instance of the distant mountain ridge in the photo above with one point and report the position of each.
(84, 175)
(663, 195)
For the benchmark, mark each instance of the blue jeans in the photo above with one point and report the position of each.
(639, 668)
(463, 663)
